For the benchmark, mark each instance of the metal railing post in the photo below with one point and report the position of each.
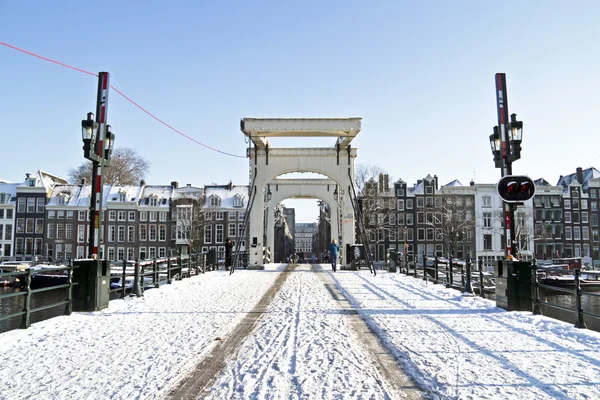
(536, 289)
(436, 265)
(179, 268)
(155, 272)
(481, 293)
(580, 323)
(467, 287)
(123, 280)
(169, 280)
(424, 266)
(137, 290)
(69, 303)
(26, 320)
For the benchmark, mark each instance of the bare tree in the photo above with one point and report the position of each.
(453, 220)
(190, 223)
(377, 203)
(127, 167)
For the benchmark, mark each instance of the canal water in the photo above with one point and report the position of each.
(17, 303)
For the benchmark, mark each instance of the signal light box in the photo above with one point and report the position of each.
(516, 188)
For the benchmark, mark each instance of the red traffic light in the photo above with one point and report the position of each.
(516, 189)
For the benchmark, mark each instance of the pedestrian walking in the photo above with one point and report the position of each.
(334, 249)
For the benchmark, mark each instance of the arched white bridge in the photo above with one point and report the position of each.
(268, 163)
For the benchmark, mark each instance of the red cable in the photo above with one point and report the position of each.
(125, 97)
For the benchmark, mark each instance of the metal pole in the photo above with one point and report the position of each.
(502, 107)
(98, 167)
(536, 290)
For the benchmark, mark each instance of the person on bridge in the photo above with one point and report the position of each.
(334, 249)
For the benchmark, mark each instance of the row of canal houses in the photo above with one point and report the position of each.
(561, 221)
(46, 218)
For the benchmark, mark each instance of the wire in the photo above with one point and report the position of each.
(123, 95)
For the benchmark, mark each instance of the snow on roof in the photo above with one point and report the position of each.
(9, 188)
(188, 192)
(541, 182)
(70, 193)
(132, 193)
(161, 192)
(226, 194)
(455, 182)
(587, 174)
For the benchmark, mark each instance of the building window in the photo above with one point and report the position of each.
(60, 231)
(121, 234)
(143, 253)
(80, 215)
(80, 233)
(112, 215)
(143, 232)
(215, 201)
(153, 215)
(567, 203)
(130, 253)
(430, 234)
(111, 253)
(584, 217)
(162, 216)
(487, 242)
(121, 216)
(162, 252)
(400, 205)
(68, 231)
(208, 234)
(39, 226)
(219, 234)
(152, 233)
(152, 252)
(420, 234)
(400, 192)
(567, 217)
(568, 233)
(487, 220)
(409, 219)
(420, 202)
(40, 205)
(21, 204)
(486, 201)
(153, 201)
(131, 216)
(409, 204)
(143, 216)
(162, 233)
(131, 234)
(238, 201)
(112, 233)
(30, 205)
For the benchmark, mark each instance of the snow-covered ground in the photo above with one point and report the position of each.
(304, 346)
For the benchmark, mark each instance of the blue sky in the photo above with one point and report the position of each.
(420, 74)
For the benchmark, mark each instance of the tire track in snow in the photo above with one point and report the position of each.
(323, 348)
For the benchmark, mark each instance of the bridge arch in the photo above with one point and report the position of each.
(267, 164)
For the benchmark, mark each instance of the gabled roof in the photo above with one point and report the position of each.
(587, 174)
(541, 182)
(455, 182)
(10, 189)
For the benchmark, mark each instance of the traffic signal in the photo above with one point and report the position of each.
(516, 189)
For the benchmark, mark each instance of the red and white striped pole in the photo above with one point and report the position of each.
(502, 106)
(98, 167)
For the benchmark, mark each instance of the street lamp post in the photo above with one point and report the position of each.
(98, 141)
(505, 143)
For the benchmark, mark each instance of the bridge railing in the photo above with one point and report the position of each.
(27, 292)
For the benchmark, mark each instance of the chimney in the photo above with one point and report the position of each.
(27, 175)
(580, 175)
(142, 182)
(472, 183)
(386, 182)
(230, 185)
(83, 181)
(435, 178)
(189, 185)
(174, 184)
